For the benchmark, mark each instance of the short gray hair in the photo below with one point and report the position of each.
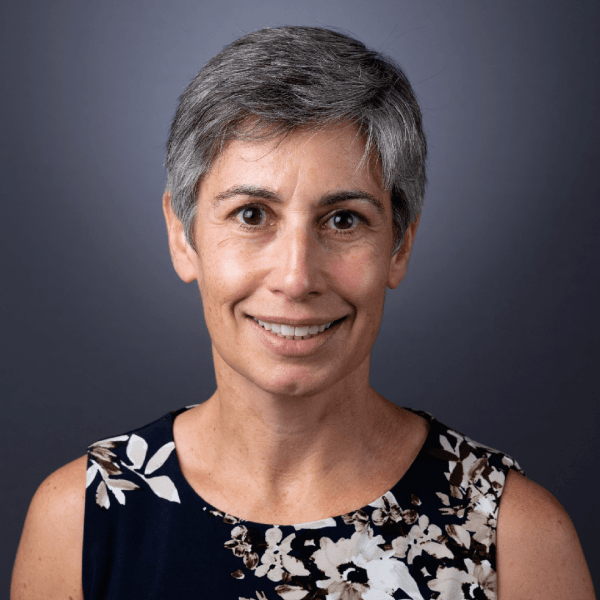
(271, 82)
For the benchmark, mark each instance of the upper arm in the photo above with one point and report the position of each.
(539, 554)
(48, 563)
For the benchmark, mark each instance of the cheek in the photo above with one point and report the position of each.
(227, 274)
(361, 274)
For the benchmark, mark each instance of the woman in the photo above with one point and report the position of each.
(295, 183)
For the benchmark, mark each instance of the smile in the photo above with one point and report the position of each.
(290, 332)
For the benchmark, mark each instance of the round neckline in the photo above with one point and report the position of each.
(319, 523)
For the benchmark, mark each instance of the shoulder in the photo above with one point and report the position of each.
(538, 551)
(474, 471)
(48, 562)
(138, 460)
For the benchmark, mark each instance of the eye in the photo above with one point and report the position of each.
(251, 215)
(344, 220)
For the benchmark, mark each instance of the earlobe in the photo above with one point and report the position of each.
(182, 254)
(399, 261)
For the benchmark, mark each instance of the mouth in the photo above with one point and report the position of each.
(298, 332)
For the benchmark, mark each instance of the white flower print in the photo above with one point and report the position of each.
(329, 522)
(481, 519)
(469, 466)
(454, 584)
(291, 592)
(227, 518)
(358, 568)
(510, 462)
(359, 518)
(431, 537)
(446, 509)
(459, 534)
(104, 461)
(241, 544)
(422, 537)
(276, 561)
(387, 509)
(259, 596)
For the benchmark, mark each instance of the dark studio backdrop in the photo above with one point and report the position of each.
(495, 328)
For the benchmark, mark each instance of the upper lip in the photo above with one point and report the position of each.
(295, 322)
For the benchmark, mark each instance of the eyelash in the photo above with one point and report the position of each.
(361, 219)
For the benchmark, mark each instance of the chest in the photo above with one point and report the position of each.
(416, 541)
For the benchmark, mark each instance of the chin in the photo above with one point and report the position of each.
(296, 383)
(291, 387)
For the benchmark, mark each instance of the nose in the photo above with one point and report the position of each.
(298, 264)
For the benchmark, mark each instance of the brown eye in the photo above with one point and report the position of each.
(251, 215)
(344, 220)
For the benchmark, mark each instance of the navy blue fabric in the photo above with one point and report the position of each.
(156, 547)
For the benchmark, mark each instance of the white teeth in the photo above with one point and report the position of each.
(289, 332)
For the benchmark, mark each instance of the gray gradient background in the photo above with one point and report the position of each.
(495, 328)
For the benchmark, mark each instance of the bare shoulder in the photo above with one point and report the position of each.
(48, 563)
(539, 554)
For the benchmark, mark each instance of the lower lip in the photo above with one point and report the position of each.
(286, 347)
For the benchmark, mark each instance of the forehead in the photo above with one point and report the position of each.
(328, 159)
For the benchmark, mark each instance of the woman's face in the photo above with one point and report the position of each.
(294, 246)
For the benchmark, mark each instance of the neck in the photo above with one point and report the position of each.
(284, 442)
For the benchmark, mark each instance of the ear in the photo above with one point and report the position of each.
(399, 261)
(182, 254)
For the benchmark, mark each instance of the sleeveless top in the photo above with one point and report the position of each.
(148, 534)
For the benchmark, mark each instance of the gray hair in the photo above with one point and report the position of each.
(271, 82)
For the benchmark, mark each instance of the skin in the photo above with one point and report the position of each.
(294, 424)
(281, 444)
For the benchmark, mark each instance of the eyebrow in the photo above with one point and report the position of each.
(246, 190)
(327, 200)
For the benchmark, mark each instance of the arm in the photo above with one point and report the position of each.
(48, 563)
(539, 555)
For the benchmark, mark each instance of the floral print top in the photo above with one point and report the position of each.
(148, 534)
